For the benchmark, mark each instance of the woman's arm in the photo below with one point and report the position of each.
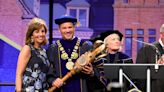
(23, 59)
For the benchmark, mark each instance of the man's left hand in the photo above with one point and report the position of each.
(88, 69)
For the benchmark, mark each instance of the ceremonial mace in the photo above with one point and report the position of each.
(84, 59)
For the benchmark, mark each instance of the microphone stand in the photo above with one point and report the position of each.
(156, 59)
(157, 53)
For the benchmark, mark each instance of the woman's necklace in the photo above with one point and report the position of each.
(64, 55)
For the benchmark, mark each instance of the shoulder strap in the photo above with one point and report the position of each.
(32, 50)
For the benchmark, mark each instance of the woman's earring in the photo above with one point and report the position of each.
(32, 40)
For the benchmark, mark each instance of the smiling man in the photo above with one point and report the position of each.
(63, 55)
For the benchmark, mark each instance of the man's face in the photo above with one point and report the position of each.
(67, 30)
(162, 36)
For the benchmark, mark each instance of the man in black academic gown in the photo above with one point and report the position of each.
(63, 55)
(153, 53)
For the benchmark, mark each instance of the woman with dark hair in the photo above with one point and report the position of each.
(33, 65)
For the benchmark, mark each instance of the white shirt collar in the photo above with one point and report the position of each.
(160, 41)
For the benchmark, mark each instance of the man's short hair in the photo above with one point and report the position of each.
(162, 28)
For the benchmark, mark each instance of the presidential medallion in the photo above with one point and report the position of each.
(69, 65)
(64, 56)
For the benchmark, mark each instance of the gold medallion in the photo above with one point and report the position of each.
(69, 65)
(74, 55)
(64, 56)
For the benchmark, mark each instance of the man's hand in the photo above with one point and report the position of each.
(88, 69)
(57, 83)
(161, 60)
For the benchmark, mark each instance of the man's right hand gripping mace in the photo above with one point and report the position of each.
(84, 59)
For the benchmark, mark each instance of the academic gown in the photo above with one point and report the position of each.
(78, 82)
(147, 54)
(119, 57)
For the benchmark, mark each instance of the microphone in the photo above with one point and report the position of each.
(157, 52)
(146, 43)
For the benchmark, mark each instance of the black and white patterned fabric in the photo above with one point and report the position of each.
(34, 78)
